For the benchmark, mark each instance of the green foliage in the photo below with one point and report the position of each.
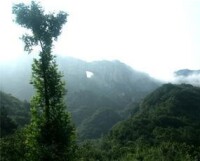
(44, 27)
(14, 109)
(90, 151)
(165, 127)
(13, 114)
(167, 122)
(114, 85)
(166, 152)
(99, 124)
(8, 126)
(51, 135)
(13, 147)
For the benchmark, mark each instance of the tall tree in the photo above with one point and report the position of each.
(51, 134)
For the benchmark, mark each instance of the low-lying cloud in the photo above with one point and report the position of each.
(188, 77)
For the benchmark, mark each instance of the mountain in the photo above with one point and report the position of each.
(13, 113)
(91, 86)
(166, 127)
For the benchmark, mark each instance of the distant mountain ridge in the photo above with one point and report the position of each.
(114, 86)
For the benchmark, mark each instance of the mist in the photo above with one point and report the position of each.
(187, 76)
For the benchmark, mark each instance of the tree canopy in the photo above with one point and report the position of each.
(45, 28)
(50, 135)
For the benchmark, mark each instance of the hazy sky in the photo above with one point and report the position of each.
(154, 36)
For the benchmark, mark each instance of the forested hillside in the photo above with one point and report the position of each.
(165, 127)
(13, 112)
(66, 109)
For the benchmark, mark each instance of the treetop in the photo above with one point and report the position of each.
(45, 27)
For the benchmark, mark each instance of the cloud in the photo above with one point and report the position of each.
(188, 78)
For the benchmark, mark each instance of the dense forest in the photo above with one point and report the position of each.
(14, 113)
(97, 111)
(164, 126)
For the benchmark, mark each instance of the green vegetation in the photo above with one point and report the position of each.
(50, 135)
(13, 114)
(99, 124)
(8, 126)
(114, 86)
(164, 126)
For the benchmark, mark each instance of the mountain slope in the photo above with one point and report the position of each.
(111, 85)
(166, 127)
(14, 113)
